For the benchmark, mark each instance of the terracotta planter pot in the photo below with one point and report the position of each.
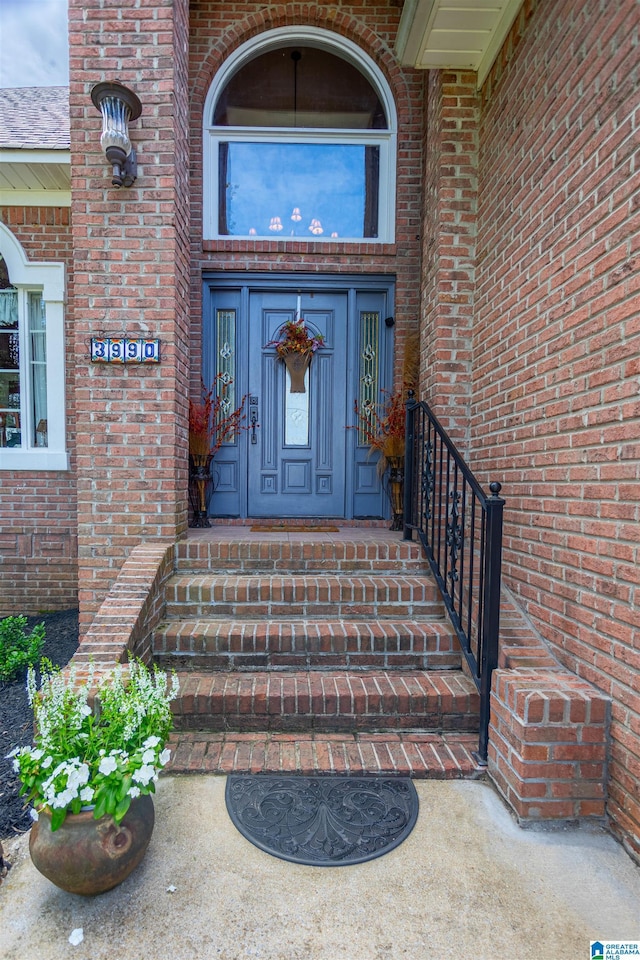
(90, 856)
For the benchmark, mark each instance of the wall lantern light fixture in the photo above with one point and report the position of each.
(118, 105)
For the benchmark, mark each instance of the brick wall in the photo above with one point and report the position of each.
(556, 371)
(131, 250)
(449, 247)
(38, 567)
(216, 31)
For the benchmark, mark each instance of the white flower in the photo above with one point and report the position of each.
(151, 742)
(164, 757)
(85, 711)
(144, 775)
(63, 799)
(77, 936)
(149, 756)
(107, 765)
(46, 763)
(86, 795)
(134, 792)
(34, 814)
(13, 753)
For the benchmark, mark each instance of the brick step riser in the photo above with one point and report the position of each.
(310, 609)
(327, 702)
(225, 662)
(302, 589)
(434, 723)
(219, 645)
(299, 556)
(295, 566)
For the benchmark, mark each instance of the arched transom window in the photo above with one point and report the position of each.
(300, 142)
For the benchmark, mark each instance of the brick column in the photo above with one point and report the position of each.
(131, 275)
(449, 250)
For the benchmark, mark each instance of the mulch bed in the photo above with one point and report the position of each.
(16, 718)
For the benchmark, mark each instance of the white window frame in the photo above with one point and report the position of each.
(47, 279)
(385, 140)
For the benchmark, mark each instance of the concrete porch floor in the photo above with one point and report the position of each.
(296, 530)
(467, 883)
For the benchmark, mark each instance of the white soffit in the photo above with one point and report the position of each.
(39, 178)
(454, 34)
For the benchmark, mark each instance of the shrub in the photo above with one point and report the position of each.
(17, 650)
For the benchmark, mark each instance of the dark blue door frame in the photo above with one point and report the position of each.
(330, 472)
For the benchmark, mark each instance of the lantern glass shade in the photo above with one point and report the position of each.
(118, 105)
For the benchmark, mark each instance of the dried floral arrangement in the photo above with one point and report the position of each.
(295, 337)
(383, 426)
(209, 424)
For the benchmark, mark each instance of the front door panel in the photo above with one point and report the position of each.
(297, 466)
(297, 457)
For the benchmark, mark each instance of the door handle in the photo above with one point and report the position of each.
(253, 418)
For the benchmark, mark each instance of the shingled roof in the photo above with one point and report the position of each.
(34, 118)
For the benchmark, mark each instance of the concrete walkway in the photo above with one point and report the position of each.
(467, 884)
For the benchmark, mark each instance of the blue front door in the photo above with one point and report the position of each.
(298, 457)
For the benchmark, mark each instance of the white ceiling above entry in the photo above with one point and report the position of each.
(454, 34)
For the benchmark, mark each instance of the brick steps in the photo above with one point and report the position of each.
(333, 596)
(420, 755)
(326, 701)
(307, 644)
(314, 655)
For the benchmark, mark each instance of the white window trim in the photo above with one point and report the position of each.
(49, 280)
(385, 139)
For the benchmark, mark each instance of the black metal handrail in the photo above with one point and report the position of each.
(461, 532)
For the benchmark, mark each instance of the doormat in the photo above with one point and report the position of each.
(323, 821)
(291, 528)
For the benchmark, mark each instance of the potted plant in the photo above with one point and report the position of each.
(211, 424)
(98, 749)
(295, 345)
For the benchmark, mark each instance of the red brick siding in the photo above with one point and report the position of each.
(450, 214)
(548, 744)
(38, 552)
(216, 31)
(556, 404)
(131, 249)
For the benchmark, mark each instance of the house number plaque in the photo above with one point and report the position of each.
(124, 350)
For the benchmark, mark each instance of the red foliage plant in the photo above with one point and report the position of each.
(382, 426)
(210, 425)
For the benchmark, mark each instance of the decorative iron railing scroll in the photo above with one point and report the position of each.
(460, 528)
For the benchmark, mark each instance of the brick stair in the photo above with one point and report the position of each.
(314, 655)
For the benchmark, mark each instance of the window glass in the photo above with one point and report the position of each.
(302, 190)
(9, 362)
(300, 143)
(32, 413)
(38, 363)
(298, 86)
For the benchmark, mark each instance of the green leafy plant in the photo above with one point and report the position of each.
(97, 745)
(17, 650)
